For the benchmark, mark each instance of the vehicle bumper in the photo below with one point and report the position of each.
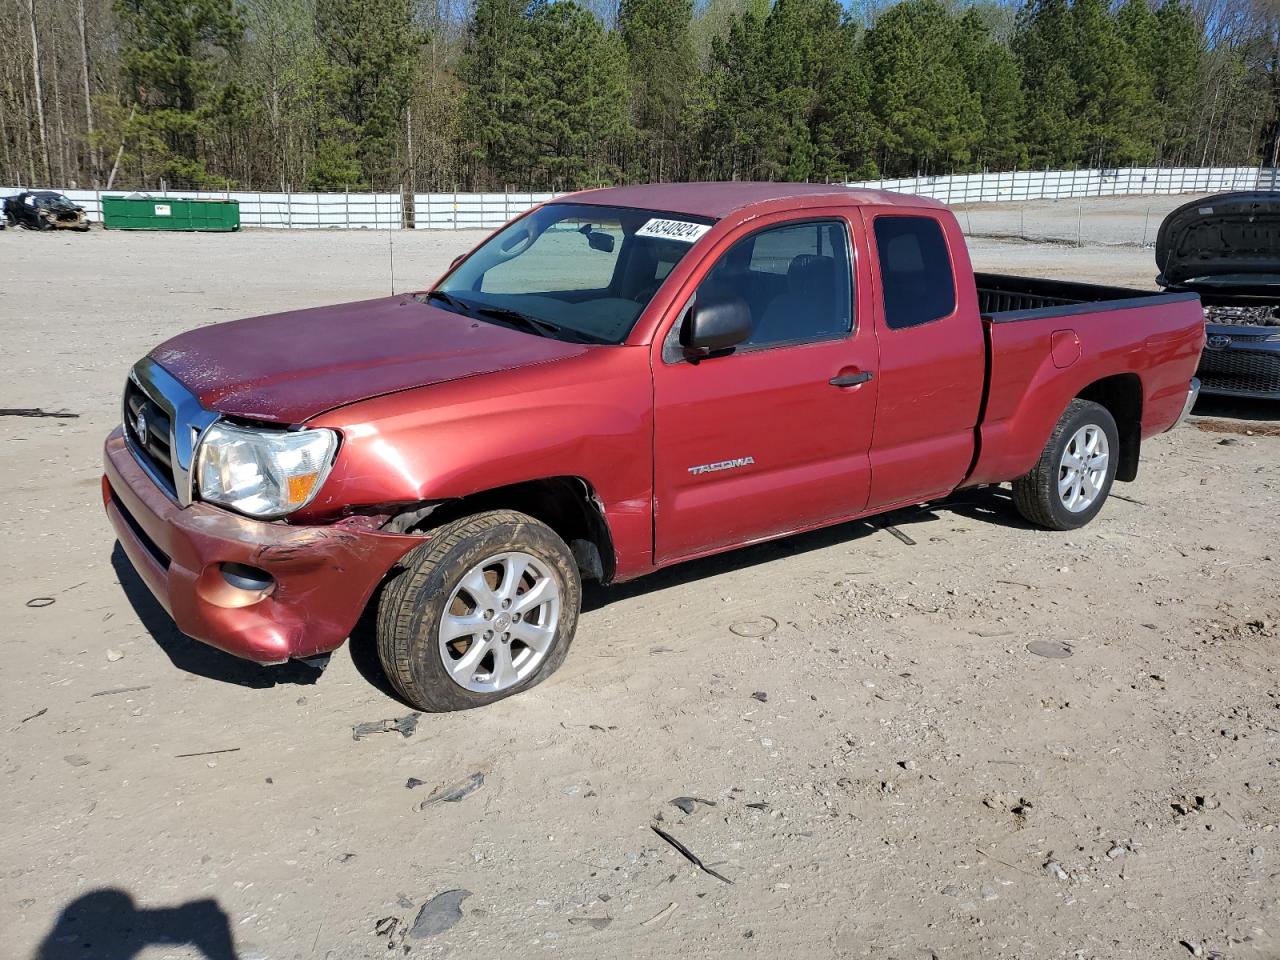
(323, 576)
(1246, 365)
(1193, 394)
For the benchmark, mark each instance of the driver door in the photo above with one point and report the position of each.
(773, 436)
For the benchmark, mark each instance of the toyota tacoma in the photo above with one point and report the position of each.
(614, 382)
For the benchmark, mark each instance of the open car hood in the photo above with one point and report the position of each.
(1231, 233)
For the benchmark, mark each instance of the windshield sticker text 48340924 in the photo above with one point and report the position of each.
(681, 230)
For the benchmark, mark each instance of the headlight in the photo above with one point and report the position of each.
(263, 473)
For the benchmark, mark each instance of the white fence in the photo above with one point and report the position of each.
(463, 211)
(1078, 184)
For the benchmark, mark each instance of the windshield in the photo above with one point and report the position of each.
(53, 201)
(571, 270)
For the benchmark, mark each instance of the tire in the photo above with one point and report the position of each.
(1038, 495)
(439, 578)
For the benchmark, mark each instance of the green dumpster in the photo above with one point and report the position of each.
(168, 213)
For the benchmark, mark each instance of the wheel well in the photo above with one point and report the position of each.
(568, 505)
(1122, 396)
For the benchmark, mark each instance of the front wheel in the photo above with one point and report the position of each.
(486, 608)
(1071, 480)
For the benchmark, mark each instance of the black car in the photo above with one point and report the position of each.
(44, 210)
(1227, 249)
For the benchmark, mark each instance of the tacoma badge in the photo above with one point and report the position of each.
(723, 465)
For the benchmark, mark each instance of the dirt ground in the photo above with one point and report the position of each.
(892, 772)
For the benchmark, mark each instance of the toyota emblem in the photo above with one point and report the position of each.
(1217, 342)
(140, 425)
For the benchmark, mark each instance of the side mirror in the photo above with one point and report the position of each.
(715, 325)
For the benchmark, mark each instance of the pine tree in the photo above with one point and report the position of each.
(578, 116)
(787, 96)
(741, 123)
(367, 49)
(1136, 27)
(992, 72)
(807, 55)
(169, 58)
(497, 77)
(845, 129)
(929, 116)
(1178, 69)
(1044, 44)
(661, 71)
(1112, 107)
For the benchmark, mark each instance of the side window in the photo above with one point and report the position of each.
(795, 280)
(915, 271)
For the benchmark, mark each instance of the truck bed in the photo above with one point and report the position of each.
(1050, 340)
(1003, 298)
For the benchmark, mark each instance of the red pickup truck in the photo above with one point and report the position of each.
(616, 381)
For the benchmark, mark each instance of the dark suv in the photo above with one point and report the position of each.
(1227, 249)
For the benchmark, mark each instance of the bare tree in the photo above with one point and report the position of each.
(95, 162)
(38, 96)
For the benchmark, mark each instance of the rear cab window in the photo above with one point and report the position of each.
(917, 278)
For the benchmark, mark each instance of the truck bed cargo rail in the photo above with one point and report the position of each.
(1005, 299)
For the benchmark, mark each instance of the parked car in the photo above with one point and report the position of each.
(44, 210)
(1227, 249)
(617, 381)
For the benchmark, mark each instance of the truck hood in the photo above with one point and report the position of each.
(291, 367)
(1234, 234)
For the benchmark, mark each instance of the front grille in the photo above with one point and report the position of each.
(1240, 371)
(154, 446)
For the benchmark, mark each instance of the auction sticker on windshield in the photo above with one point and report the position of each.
(681, 230)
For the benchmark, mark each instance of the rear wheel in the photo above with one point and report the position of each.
(1071, 480)
(486, 608)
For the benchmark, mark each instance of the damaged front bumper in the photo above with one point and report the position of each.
(267, 592)
(67, 221)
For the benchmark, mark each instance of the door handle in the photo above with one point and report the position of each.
(850, 379)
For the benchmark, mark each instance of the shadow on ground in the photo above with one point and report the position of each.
(986, 505)
(192, 655)
(106, 924)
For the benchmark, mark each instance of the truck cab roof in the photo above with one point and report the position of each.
(720, 199)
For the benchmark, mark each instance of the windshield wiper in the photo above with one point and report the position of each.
(460, 305)
(541, 327)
